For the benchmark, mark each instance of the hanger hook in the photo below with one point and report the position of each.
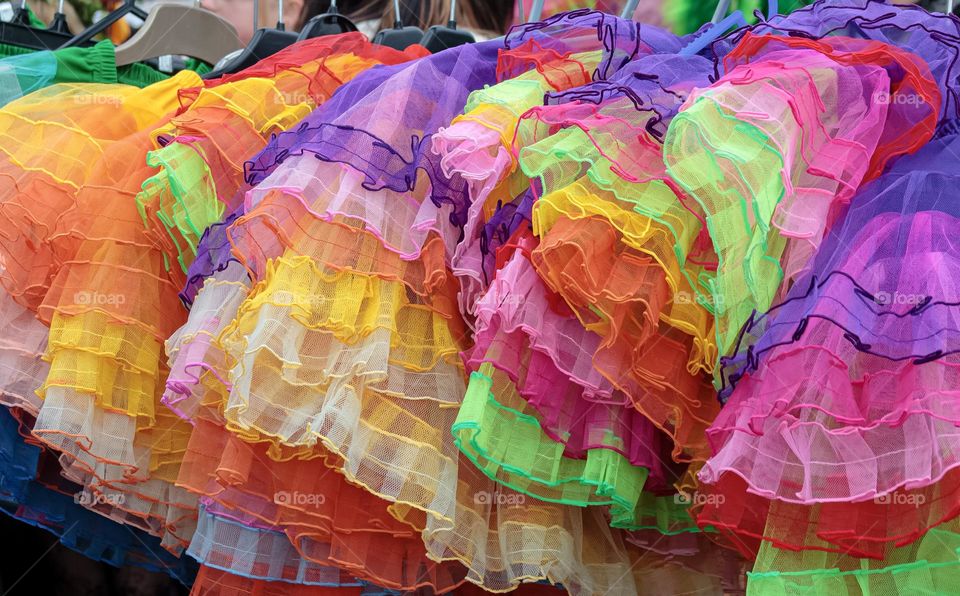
(280, 25)
(949, 6)
(397, 21)
(629, 8)
(536, 9)
(453, 14)
(722, 7)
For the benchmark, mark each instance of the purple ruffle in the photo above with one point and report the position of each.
(884, 275)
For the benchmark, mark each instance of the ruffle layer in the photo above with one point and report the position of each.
(864, 529)
(215, 582)
(22, 346)
(821, 128)
(194, 354)
(494, 417)
(27, 495)
(930, 565)
(241, 548)
(866, 428)
(327, 520)
(844, 390)
(933, 37)
(541, 351)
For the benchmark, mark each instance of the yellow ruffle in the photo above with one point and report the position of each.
(584, 199)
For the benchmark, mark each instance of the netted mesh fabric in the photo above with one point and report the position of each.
(39, 186)
(548, 356)
(839, 392)
(328, 520)
(477, 147)
(930, 565)
(622, 40)
(198, 366)
(339, 242)
(22, 346)
(504, 537)
(32, 490)
(257, 553)
(494, 419)
(578, 152)
(861, 529)
(20, 75)
(933, 36)
(211, 581)
(647, 360)
(214, 254)
(102, 449)
(822, 145)
(204, 146)
(347, 360)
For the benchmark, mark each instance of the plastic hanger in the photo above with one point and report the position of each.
(536, 10)
(59, 22)
(177, 29)
(265, 42)
(773, 9)
(629, 8)
(949, 6)
(328, 23)
(440, 37)
(398, 37)
(717, 28)
(86, 36)
(19, 32)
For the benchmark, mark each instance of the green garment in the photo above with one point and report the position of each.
(686, 16)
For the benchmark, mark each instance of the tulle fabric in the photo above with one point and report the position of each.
(933, 36)
(470, 147)
(861, 529)
(522, 334)
(24, 74)
(328, 521)
(30, 493)
(216, 582)
(100, 397)
(833, 136)
(477, 147)
(927, 566)
(236, 543)
(842, 391)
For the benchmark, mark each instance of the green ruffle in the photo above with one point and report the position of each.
(509, 446)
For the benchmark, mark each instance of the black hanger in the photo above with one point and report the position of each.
(398, 37)
(19, 32)
(328, 23)
(59, 22)
(85, 37)
(265, 42)
(439, 37)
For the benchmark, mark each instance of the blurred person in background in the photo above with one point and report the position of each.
(486, 19)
